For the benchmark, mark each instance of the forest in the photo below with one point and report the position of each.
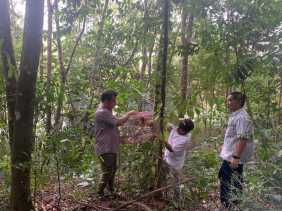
(166, 61)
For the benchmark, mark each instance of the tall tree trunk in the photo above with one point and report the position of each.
(99, 44)
(9, 67)
(22, 146)
(63, 70)
(61, 65)
(49, 67)
(280, 101)
(144, 50)
(161, 83)
(186, 34)
(41, 63)
(150, 59)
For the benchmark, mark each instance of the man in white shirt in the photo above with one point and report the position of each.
(237, 149)
(176, 147)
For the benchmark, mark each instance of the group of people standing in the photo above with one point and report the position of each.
(236, 150)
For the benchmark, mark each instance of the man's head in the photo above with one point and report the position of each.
(185, 126)
(108, 99)
(236, 101)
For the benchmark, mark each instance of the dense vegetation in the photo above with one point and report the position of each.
(181, 57)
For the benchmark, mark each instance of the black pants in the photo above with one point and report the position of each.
(109, 166)
(230, 183)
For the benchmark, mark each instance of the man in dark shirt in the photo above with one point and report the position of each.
(108, 139)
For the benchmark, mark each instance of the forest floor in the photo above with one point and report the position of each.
(76, 196)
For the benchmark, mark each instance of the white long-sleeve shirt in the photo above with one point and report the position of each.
(179, 144)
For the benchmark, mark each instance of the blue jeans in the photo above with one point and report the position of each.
(230, 183)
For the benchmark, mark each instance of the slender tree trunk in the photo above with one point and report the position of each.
(62, 67)
(64, 70)
(173, 46)
(22, 146)
(161, 84)
(41, 63)
(184, 59)
(99, 44)
(186, 34)
(280, 101)
(49, 67)
(9, 67)
(144, 50)
(150, 59)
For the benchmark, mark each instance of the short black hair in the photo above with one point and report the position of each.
(239, 97)
(108, 95)
(186, 125)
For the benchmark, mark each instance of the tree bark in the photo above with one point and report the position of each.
(23, 142)
(63, 71)
(62, 67)
(161, 83)
(8, 62)
(144, 50)
(49, 67)
(99, 44)
(150, 60)
(186, 34)
(280, 101)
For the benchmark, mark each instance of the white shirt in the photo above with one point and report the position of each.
(179, 144)
(239, 126)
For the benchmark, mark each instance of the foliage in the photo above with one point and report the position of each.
(236, 46)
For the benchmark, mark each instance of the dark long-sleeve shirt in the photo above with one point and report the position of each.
(106, 132)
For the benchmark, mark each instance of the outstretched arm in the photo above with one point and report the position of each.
(124, 118)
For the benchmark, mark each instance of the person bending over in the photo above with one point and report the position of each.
(179, 141)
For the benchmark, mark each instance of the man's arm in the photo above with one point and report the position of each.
(240, 147)
(243, 127)
(106, 117)
(124, 118)
(168, 146)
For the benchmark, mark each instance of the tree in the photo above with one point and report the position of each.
(49, 66)
(186, 38)
(21, 110)
(161, 81)
(8, 64)
(64, 69)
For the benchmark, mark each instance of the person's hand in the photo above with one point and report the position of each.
(234, 163)
(220, 147)
(130, 140)
(149, 123)
(131, 113)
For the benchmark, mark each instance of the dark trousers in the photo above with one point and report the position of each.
(230, 183)
(108, 163)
